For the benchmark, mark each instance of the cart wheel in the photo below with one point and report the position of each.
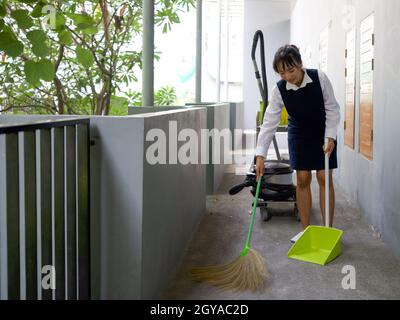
(296, 213)
(265, 214)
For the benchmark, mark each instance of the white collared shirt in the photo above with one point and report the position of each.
(272, 116)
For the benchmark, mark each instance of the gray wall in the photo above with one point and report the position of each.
(147, 213)
(374, 186)
(174, 201)
(272, 18)
(142, 216)
(118, 154)
(218, 117)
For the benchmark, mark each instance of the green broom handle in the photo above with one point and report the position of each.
(327, 209)
(253, 211)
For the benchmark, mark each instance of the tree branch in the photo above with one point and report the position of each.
(83, 42)
(59, 59)
(60, 98)
(93, 88)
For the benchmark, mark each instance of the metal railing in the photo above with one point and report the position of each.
(44, 210)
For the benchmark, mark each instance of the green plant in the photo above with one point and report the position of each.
(165, 96)
(71, 56)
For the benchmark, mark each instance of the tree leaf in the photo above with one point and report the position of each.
(2, 10)
(22, 18)
(41, 70)
(118, 102)
(10, 45)
(90, 30)
(46, 70)
(60, 22)
(36, 37)
(118, 105)
(31, 73)
(39, 46)
(37, 10)
(82, 21)
(65, 37)
(84, 56)
(41, 51)
(28, 1)
(8, 30)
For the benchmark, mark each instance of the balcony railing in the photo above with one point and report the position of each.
(44, 210)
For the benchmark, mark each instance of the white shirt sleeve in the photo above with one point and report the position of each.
(332, 108)
(271, 122)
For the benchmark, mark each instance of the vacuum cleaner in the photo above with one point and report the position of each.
(277, 184)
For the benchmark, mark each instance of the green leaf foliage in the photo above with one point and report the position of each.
(36, 37)
(46, 70)
(39, 70)
(38, 40)
(85, 57)
(31, 73)
(94, 64)
(65, 37)
(22, 18)
(2, 10)
(84, 22)
(10, 45)
(37, 11)
(28, 1)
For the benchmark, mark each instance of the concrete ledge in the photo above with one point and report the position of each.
(218, 117)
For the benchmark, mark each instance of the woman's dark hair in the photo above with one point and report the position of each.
(289, 56)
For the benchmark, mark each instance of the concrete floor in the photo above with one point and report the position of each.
(221, 236)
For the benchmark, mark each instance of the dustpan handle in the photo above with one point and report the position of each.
(327, 185)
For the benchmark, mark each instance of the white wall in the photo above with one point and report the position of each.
(372, 185)
(272, 18)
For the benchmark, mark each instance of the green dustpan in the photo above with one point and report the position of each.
(319, 245)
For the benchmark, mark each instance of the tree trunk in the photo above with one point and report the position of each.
(60, 96)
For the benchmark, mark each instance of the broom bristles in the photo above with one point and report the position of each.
(243, 273)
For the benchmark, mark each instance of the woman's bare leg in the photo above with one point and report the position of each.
(303, 197)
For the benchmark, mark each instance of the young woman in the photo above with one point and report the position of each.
(314, 114)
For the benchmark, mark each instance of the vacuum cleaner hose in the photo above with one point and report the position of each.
(262, 79)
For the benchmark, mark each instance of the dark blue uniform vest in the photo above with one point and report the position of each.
(307, 122)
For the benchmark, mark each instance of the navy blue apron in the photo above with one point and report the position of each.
(307, 122)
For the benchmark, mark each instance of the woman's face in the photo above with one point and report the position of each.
(293, 75)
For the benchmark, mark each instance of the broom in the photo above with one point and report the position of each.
(246, 272)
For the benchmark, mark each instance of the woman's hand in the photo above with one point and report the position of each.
(260, 167)
(330, 147)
